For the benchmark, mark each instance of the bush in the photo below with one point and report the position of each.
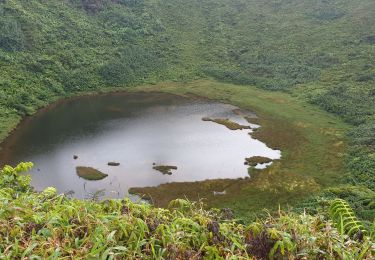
(11, 35)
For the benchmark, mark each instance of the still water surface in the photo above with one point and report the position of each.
(135, 130)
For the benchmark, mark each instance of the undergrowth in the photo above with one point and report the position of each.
(48, 225)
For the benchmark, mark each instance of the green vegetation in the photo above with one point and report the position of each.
(227, 123)
(90, 174)
(322, 52)
(165, 169)
(46, 225)
(345, 219)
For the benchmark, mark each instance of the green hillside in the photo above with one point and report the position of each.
(316, 51)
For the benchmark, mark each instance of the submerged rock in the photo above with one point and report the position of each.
(89, 173)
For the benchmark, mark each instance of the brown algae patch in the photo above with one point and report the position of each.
(228, 123)
(165, 169)
(255, 160)
(90, 174)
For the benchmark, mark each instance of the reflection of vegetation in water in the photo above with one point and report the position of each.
(227, 123)
(165, 169)
(89, 173)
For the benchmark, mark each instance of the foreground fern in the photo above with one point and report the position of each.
(47, 225)
(345, 219)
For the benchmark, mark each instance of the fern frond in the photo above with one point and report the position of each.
(344, 218)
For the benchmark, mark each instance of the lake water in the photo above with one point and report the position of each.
(136, 130)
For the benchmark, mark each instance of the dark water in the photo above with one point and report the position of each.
(135, 130)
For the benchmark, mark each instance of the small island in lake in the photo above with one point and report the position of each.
(90, 174)
(165, 169)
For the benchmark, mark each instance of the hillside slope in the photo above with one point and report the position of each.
(322, 51)
(326, 48)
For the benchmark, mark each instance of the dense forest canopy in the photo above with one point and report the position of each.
(324, 49)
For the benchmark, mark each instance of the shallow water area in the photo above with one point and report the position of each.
(138, 131)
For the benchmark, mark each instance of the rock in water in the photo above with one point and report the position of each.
(113, 164)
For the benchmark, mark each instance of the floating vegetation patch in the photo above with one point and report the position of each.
(165, 169)
(90, 174)
(228, 123)
(255, 160)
